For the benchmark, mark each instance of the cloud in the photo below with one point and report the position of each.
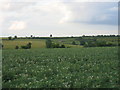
(17, 25)
(69, 11)
(46, 16)
(92, 13)
(114, 9)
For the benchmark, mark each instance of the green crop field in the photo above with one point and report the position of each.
(61, 68)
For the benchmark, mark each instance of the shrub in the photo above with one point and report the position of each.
(82, 42)
(24, 47)
(1, 46)
(57, 46)
(28, 46)
(17, 47)
(101, 43)
(62, 46)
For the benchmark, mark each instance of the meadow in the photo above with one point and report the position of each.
(95, 67)
(41, 43)
(10, 44)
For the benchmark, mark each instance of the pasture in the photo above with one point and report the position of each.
(10, 44)
(36, 43)
(40, 43)
(61, 68)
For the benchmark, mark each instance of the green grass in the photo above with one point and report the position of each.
(61, 68)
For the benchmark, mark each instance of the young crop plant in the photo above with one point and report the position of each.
(61, 68)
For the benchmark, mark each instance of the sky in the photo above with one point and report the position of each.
(58, 17)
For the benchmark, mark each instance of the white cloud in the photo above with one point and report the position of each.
(114, 9)
(17, 25)
(46, 16)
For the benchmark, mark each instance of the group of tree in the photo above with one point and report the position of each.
(97, 43)
(12, 38)
(50, 44)
(101, 36)
(33, 37)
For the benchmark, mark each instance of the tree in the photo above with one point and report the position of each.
(9, 38)
(73, 43)
(29, 45)
(2, 46)
(50, 35)
(48, 43)
(62, 46)
(15, 37)
(31, 36)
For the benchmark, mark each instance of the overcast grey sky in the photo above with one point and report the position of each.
(58, 17)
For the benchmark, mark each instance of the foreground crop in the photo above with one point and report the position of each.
(65, 68)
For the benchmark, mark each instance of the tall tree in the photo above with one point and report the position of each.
(48, 43)
(10, 38)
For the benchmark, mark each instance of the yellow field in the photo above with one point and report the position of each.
(36, 43)
(10, 44)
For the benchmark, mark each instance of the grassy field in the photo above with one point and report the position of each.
(40, 43)
(54, 68)
(36, 43)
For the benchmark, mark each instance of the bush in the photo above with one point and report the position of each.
(54, 45)
(110, 44)
(82, 42)
(101, 43)
(24, 47)
(28, 46)
(1, 46)
(57, 46)
(91, 44)
(62, 46)
(17, 47)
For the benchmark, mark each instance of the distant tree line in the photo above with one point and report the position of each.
(86, 42)
(33, 37)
